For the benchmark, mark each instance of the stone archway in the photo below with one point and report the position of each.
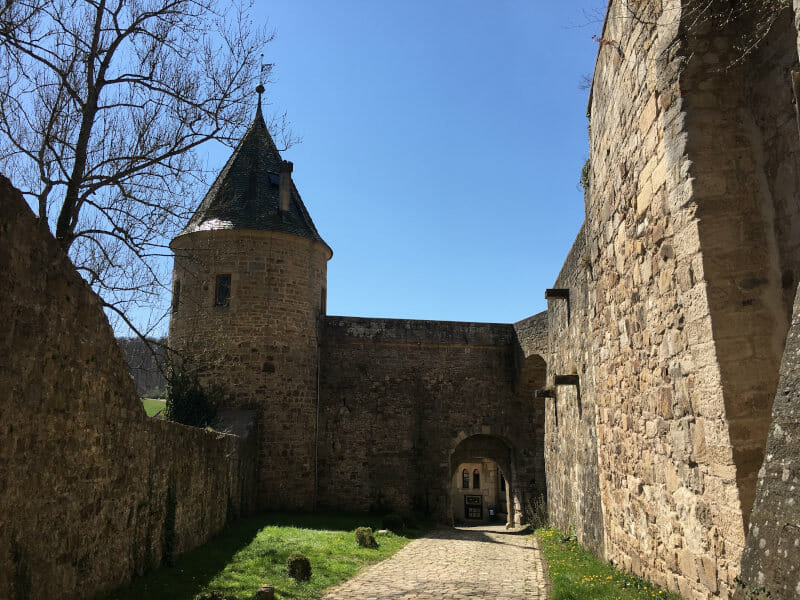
(492, 459)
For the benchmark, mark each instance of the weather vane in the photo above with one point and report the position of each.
(265, 68)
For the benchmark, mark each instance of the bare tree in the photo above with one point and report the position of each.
(104, 105)
(753, 19)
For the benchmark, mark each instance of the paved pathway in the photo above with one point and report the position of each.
(454, 564)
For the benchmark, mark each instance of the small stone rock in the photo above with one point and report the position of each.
(265, 592)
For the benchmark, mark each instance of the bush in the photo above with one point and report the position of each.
(394, 523)
(586, 173)
(187, 402)
(365, 538)
(535, 512)
(299, 566)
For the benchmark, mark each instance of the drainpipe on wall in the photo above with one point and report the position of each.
(316, 425)
(795, 73)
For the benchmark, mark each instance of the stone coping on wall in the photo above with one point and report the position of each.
(234, 421)
(411, 331)
(531, 334)
(573, 262)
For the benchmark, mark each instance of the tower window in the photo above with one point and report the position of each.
(176, 295)
(222, 295)
(476, 479)
(465, 479)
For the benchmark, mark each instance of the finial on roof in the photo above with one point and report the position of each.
(259, 91)
(260, 86)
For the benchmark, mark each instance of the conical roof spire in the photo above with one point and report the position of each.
(247, 192)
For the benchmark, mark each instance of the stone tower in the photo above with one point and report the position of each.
(249, 285)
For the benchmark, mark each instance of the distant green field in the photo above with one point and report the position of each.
(153, 405)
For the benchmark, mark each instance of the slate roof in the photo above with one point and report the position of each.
(245, 194)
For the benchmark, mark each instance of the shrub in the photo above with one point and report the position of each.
(586, 173)
(535, 512)
(394, 523)
(187, 402)
(365, 538)
(299, 566)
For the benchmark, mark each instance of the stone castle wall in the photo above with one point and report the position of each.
(689, 255)
(92, 492)
(262, 347)
(742, 145)
(402, 400)
(573, 493)
(771, 558)
(680, 295)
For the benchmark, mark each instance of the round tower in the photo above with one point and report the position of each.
(249, 285)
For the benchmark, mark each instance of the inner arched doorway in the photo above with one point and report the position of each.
(483, 475)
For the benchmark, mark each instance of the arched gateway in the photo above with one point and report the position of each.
(486, 486)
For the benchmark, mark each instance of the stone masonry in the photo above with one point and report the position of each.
(680, 294)
(261, 347)
(399, 398)
(92, 491)
(353, 414)
(640, 402)
(771, 557)
(656, 361)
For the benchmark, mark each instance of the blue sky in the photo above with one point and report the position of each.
(442, 147)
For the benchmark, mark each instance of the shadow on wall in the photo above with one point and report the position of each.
(206, 562)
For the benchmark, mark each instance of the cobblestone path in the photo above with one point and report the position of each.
(474, 562)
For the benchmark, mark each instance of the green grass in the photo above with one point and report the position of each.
(579, 575)
(153, 405)
(253, 551)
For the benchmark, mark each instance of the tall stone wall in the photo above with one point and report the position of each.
(261, 347)
(689, 249)
(667, 478)
(92, 491)
(743, 147)
(571, 444)
(771, 558)
(402, 400)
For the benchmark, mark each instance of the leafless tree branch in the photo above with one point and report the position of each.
(105, 107)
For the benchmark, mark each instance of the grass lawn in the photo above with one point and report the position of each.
(253, 551)
(579, 575)
(153, 405)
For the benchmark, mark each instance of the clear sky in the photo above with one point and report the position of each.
(442, 147)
